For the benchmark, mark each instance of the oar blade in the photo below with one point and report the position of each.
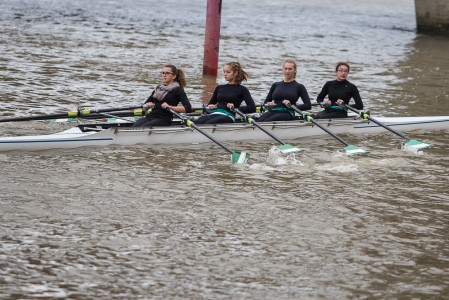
(354, 150)
(416, 145)
(286, 149)
(238, 157)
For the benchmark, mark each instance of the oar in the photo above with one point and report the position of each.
(117, 114)
(70, 114)
(134, 111)
(284, 148)
(410, 143)
(236, 156)
(350, 149)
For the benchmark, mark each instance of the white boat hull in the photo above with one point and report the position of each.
(291, 130)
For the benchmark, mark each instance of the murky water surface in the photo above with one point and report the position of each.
(181, 222)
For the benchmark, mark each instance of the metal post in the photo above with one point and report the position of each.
(212, 38)
(432, 16)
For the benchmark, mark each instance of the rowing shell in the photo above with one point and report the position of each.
(121, 134)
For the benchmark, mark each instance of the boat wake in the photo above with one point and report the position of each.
(339, 168)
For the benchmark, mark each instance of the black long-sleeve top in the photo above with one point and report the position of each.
(173, 98)
(290, 91)
(344, 90)
(235, 94)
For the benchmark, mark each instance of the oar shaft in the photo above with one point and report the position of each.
(35, 118)
(85, 112)
(308, 118)
(251, 121)
(366, 116)
(329, 132)
(117, 114)
(193, 125)
(71, 114)
(209, 136)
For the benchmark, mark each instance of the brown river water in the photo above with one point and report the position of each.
(182, 222)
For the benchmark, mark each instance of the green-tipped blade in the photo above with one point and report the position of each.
(286, 148)
(239, 157)
(354, 150)
(414, 144)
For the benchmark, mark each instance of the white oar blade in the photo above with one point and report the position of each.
(416, 145)
(354, 150)
(239, 157)
(286, 148)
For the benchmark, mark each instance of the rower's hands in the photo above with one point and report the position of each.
(340, 103)
(212, 106)
(326, 103)
(167, 106)
(148, 105)
(285, 102)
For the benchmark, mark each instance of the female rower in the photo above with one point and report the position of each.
(339, 92)
(284, 92)
(169, 93)
(229, 95)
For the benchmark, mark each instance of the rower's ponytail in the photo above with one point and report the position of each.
(180, 75)
(237, 67)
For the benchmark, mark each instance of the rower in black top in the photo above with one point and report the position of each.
(283, 92)
(229, 95)
(339, 92)
(169, 93)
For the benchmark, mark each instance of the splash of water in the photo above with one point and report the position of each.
(276, 158)
(405, 147)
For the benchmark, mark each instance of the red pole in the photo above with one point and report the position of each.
(212, 38)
